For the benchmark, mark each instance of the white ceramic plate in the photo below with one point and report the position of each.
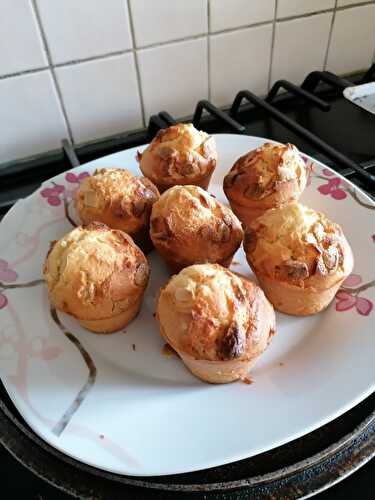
(139, 412)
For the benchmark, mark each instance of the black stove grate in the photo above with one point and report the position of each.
(365, 170)
(299, 116)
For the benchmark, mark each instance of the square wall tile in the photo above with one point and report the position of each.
(165, 20)
(288, 8)
(31, 117)
(294, 56)
(21, 46)
(226, 14)
(353, 39)
(174, 77)
(101, 97)
(76, 29)
(242, 69)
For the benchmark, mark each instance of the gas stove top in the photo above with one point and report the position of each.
(320, 122)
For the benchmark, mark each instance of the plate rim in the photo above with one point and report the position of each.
(234, 457)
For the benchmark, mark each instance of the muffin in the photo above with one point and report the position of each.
(119, 199)
(189, 226)
(97, 275)
(180, 154)
(299, 257)
(218, 322)
(270, 176)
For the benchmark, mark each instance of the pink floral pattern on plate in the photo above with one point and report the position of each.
(7, 275)
(338, 189)
(37, 347)
(348, 296)
(332, 188)
(76, 179)
(56, 194)
(53, 195)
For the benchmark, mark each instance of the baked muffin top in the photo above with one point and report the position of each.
(264, 170)
(95, 272)
(214, 314)
(116, 197)
(178, 152)
(295, 244)
(193, 224)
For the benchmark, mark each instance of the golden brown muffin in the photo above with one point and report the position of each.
(218, 322)
(299, 257)
(189, 226)
(119, 199)
(270, 176)
(180, 154)
(98, 276)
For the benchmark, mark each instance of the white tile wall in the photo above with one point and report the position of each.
(31, 118)
(116, 62)
(164, 20)
(300, 45)
(230, 14)
(20, 43)
(77, 29)
(174, 77)
(232, 68)
(101, 97)
(353, 52)
(288, 8)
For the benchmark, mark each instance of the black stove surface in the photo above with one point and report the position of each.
(18, 482)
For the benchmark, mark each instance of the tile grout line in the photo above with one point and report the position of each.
(170, 42)
(52, 69)
(272, 46)
(242, 27)
(93, 58)
(330, 37)
(208, 49)
(24, 72)
(136, 63)
(350, 6)
(325, 11)
(302, 16)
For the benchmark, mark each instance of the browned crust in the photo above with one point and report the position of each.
(306, 283)
(236, 347)
(167, 165)
(114, 323)
(292, 299)
(175, 266)
(184, 238)
(249, 197)
(127, 209)
(99, 281)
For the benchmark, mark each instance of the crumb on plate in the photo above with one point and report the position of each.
(247, 380)
(168, 351)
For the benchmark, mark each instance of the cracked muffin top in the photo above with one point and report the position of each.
(180, 154)
(210, 313)
(265, 171)
(297, 245)
(190, 226)
(117, 198)
(95, 272)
